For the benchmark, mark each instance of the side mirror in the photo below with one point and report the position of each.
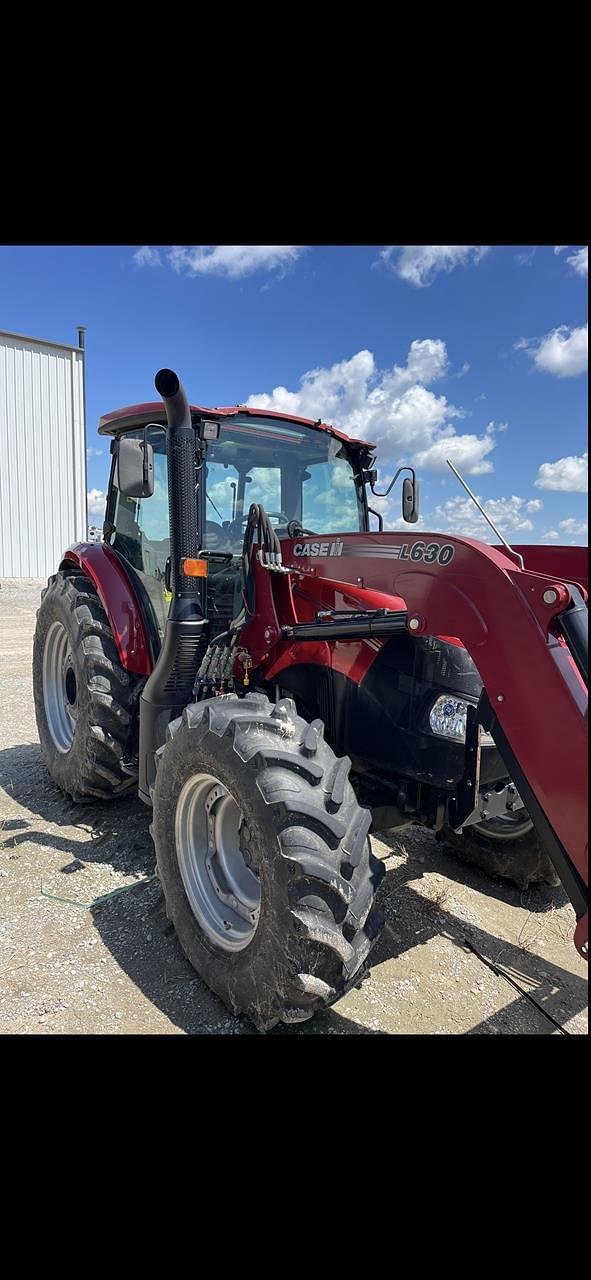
(410, 500)
(135, 468)
(410, 493)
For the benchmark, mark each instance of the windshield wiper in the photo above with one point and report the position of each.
(214, 507)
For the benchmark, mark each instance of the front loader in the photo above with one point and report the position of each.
(278, 680)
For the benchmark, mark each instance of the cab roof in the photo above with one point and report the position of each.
(137, 415)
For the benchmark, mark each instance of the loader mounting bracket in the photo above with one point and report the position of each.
(466, 795)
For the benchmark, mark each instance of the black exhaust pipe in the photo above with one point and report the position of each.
(180, 450)
(170, 686)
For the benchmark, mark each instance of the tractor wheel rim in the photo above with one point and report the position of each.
(506, 826)
(60, 690)
(223, 892)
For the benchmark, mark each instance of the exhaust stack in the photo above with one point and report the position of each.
(180, 450)
(170, 686)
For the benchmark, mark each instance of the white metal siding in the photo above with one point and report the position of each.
(42, 455)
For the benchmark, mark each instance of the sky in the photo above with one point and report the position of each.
(473, 352)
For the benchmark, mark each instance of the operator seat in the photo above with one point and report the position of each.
(214, 536)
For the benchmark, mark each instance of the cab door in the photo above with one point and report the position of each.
(138, 528)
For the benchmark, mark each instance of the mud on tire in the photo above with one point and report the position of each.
(520, 859)
(307, 842)
(89, 752)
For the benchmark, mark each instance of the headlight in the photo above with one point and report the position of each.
(447, 719)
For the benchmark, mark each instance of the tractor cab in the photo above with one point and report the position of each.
(301, 476)
(309, 478)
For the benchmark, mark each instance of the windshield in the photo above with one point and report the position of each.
(294, 472)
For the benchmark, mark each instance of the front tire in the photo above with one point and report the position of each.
(85, 702)
(264, 858)
(506, 847)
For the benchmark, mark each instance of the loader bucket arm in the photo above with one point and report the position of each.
(522, 630)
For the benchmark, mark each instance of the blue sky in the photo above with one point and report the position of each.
(478, 353)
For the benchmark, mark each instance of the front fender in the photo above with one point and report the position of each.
(118, 599)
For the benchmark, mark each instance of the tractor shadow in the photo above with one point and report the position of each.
(135, 929)
(115, 833)
(440, 857)
(413, 919)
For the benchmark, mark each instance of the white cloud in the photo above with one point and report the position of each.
(524, 259)
(567, 474)
(460, 516)
(503, 426)
(467, 452)
(94, 453)
(560, 248)
(573, 527)
(393, 408)
(420, 263)
(232, 260)
(562, 352)
(338, 394)
(96, 502)
(572, 530)
(426, 362)
(147, 256)
(579, 262)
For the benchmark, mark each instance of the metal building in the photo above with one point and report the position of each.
(42, 453)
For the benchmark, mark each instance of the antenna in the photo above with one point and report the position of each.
(506, 544)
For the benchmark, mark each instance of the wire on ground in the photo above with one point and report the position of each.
(88, 906)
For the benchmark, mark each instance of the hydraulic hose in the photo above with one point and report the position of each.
(267, 540)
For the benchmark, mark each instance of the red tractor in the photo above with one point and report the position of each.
(278, 680)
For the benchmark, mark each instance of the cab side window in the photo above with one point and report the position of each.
(141, 527)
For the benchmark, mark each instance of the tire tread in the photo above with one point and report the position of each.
(330, 921)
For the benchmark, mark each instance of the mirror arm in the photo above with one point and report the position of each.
(392, 482)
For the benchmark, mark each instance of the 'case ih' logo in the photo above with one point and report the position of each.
(318, 548)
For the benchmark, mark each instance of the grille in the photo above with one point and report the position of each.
(186, 663)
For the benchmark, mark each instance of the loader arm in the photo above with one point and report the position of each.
(525, 634)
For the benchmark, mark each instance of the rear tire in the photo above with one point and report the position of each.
(85, 702)
(301, 938)
(495, 849)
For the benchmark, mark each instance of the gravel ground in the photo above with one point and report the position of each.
(116, 968)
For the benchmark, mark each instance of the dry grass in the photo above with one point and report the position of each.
(438, 899)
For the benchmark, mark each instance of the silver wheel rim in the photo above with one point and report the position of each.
(60, 690)
(507, 826)
(211, 844)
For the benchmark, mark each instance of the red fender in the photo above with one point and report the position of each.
(118, 600)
